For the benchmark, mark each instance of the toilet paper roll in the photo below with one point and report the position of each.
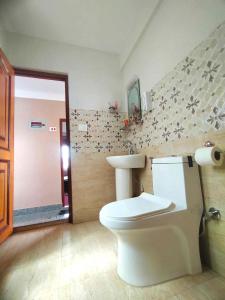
(209, 156)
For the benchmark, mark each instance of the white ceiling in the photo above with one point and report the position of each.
(34, 88)
(107, 25)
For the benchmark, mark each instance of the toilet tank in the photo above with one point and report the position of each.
(177, 179)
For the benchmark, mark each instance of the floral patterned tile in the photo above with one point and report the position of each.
(188, 101)
(103, 135)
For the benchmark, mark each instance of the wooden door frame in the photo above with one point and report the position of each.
(58, 77)
(61, 159)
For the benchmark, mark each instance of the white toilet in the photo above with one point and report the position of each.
(158, 235)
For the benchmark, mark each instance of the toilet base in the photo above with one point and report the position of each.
(144, 261)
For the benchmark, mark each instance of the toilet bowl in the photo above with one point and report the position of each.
(158, 235)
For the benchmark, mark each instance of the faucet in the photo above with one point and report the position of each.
(128, 144)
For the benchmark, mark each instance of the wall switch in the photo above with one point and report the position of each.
(82, 127)
(51, 129)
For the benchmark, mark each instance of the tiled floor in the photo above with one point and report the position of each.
(32, 216)
(78, 262)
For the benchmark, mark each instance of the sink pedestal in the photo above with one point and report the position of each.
(124, 165)
(124, 188)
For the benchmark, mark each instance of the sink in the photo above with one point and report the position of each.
(127, 161)
(123, 165)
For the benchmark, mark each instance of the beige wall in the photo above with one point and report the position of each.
(174, 30)
(93, 186)
(93, 179)
(189, 109)
(94, 76)
(213, 178)
(94, 81)
(37, 154)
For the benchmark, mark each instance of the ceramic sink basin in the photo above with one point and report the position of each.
(127, 161)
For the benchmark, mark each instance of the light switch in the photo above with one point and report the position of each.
(51, 129)
(82, 127)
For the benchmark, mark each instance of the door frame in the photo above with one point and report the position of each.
(61, 159)
(58, 77)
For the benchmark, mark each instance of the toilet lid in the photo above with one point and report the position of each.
(137, 207)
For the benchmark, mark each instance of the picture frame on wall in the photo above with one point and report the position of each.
(134, 100)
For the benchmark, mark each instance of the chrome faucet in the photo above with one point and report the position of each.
(128, 144)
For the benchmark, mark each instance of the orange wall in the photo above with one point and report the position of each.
(37, 154)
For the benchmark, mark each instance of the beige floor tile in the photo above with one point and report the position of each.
(213, 289)
(78, 262)
(190, 294)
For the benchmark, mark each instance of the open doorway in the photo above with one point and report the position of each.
(64, 154)
(42, 142)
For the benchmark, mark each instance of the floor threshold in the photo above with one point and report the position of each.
(39, 225)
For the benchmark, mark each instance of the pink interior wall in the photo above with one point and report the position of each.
(37, 154)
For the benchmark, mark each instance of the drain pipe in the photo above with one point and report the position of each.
(212, 214)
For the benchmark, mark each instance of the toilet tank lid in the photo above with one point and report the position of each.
(172, 160)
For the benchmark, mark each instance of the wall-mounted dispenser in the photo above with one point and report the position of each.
(146, 100)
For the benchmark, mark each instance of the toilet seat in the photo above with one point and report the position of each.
(136, 208)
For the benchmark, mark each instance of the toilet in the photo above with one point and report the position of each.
(158, 235)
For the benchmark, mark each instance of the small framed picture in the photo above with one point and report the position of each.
(134, 100)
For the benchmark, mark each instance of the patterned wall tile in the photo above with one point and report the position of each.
(190, 100)
(103, 135)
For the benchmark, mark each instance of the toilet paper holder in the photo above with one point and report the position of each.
(209, 144)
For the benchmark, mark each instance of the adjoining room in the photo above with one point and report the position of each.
(41, 156)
